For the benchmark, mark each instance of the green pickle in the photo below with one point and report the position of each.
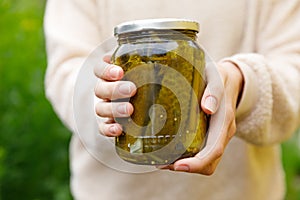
(167, 123)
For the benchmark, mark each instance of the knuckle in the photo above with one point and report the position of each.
(224, 73)
(230, 119)
(209, 170)
(230, 111)
(219, 151)
(99, 90)
(99, 69)
(215, 89)
(102, 109)
(230, 114)
(114, 90)
(232, 129)
(101, 129)
(106, 90)
(98, 109)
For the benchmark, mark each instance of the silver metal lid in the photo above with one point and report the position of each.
(157, 24)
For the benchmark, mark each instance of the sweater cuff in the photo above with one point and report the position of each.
(249, 94)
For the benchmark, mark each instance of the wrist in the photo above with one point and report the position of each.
(234, 75)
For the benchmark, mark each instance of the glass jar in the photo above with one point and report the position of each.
(163, 59)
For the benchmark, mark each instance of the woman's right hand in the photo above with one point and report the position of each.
(110, 87)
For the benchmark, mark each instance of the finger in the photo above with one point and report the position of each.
(221, 129)
(199, 164)
(110, 129)
(214, 90)
(195, 165)
(114, 90)
(109, 72)
(206, 160)
(113, 110)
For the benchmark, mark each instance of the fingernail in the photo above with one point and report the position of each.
(114, 72)
(211, 104)
(112, 130)
(125, 88)
(182, 168)
(122, 109)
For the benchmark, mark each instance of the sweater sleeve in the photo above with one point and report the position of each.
(269, 110)
(71, 34)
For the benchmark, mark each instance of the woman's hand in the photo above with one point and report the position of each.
(109, 87)
(219, 100)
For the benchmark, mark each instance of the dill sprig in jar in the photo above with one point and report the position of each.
(162, 58)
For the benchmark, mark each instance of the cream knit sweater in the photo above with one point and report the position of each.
(261, 36)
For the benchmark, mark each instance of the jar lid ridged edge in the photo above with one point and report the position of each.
(158, 24)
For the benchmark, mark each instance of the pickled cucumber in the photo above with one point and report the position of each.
(152, 127)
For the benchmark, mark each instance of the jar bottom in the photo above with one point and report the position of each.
(144, 159)
(153, 150)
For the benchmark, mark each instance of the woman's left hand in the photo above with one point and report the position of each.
(219, 100)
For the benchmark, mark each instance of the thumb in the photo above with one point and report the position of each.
(213, 92)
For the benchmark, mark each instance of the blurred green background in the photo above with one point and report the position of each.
(33, 142)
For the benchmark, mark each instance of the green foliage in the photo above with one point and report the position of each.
(33, 142)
